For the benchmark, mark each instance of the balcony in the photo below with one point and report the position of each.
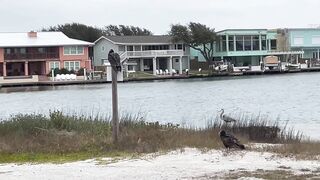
(31, 56)
(153, 53)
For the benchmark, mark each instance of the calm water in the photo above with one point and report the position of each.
(291, 97)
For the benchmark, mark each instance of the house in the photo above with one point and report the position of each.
(30, 56)
(308, 41)
(247, 49)
(151, 54)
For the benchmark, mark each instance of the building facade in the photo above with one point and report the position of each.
(144, 53)
(31, 56)
(246, 48)
(306, 40)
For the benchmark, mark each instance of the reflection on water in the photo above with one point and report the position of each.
(289, 97)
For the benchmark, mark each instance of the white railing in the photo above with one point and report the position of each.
(284, 52)
(154, 53)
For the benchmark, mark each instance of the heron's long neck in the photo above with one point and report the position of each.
(222, 111)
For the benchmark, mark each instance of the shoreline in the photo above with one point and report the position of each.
(103, 81)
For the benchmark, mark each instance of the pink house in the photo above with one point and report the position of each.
(32, 55)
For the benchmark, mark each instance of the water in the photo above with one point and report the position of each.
(292, 98)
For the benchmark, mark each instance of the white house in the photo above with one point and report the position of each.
(144, 53)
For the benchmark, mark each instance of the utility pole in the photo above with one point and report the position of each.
(114, 60)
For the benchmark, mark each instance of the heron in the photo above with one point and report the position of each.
(226, 118)
(229, 141)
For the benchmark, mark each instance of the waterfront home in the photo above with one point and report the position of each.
(308, 41)
(153, 54)
(30, 56)
(251, 49)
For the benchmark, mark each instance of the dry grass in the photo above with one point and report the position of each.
(301, 150)
(60, 134)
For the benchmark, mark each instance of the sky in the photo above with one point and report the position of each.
(158, 15)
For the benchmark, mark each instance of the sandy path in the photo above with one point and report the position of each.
(184, 164)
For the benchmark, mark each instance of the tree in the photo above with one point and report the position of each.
(197, 36)
(77, 31)
(123, 30)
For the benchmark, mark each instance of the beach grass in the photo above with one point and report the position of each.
(61, 137)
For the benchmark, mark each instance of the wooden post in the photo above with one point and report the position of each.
(114, 60)
(115, 115)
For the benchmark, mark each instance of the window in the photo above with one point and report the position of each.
(41, 50)
(239, 43)
(273, 44)
(298, 40)
(247, 43)
(7, 51)
(315, 55)
(231, 43)
(73, 50)
(54, 65)
(179, 46)
(23, 51)
(72, 65)
(129, 48)
(264, 42)
(316, 40)
(223, 43)
(255, 43)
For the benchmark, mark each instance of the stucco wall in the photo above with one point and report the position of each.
(1, 54)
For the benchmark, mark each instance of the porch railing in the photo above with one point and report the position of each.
(31, 56)
(154, 53)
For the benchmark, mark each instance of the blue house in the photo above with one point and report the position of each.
(306, 40)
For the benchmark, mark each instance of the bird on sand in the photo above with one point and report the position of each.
(226, 118)
(229, 141)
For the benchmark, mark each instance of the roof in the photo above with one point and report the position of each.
(241, 30)
(42, 39)
(155, 39)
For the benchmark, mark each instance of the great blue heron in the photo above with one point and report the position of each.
(226, 118)
(230, 141)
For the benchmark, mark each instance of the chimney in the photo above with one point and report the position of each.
(32, 34)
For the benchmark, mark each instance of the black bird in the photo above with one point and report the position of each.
(226, 118)
(230, 141)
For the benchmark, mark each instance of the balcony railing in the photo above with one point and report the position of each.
(31, 56)
(154, 53)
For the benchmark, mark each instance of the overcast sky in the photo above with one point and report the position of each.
(157, 15)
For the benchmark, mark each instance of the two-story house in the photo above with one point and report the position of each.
(30, 56)
(144, 53)
(247, 48)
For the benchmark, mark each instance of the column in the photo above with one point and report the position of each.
(141, 65)
(227, 43)
(158, 65)
(302, 53)
(260, 42)
(26, 68)
(234, 43)
(180, 65)
(127, 70)
(4, 69)
(269, 43)
(318, 54)
(170, 65)
(154, 65)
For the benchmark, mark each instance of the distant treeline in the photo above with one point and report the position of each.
(89, 33)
